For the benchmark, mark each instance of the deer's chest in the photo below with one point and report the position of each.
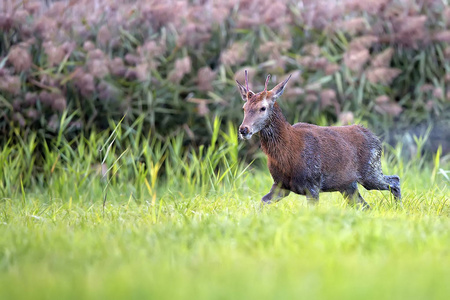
(282, 172)
(293, 175)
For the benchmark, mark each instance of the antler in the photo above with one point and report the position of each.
(246, 82)
(267, 81)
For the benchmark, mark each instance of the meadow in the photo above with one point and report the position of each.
(164, 203)
(151, 220)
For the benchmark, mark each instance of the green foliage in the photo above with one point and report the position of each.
(175, 63)
(199, 232)
(126, 158)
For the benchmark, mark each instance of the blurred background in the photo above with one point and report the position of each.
(121, 172)
(72, 67)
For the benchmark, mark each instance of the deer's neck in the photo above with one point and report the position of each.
(275, 137)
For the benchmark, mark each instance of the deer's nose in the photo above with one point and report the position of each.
(243, 130)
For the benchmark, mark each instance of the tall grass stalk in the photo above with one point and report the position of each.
(124, 157)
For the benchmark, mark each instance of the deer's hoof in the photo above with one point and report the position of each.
(266, 200)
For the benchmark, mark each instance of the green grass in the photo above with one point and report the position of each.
(205, 236)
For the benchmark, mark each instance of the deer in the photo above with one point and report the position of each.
(308, 159)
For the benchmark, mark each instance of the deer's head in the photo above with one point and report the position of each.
(258, 108)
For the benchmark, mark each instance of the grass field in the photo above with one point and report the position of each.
(194, 237)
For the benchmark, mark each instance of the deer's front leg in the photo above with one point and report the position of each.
(312, 196)
(276, 194)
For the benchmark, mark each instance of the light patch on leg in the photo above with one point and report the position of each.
(374, 159)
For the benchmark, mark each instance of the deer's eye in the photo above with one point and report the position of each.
(263, 108)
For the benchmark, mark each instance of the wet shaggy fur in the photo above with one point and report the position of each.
(308, 159)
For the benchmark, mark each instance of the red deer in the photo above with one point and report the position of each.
(307, 159)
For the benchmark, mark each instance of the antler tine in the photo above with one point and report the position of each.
(267, 81)
(246, 80)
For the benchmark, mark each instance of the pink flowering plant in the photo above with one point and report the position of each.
(175, 61)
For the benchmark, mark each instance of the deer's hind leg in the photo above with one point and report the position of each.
(394, 185)
(353, 196)
(374, 179)
(384, 183)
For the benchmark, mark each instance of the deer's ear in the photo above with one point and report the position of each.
(278, 90)
(245, 95)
